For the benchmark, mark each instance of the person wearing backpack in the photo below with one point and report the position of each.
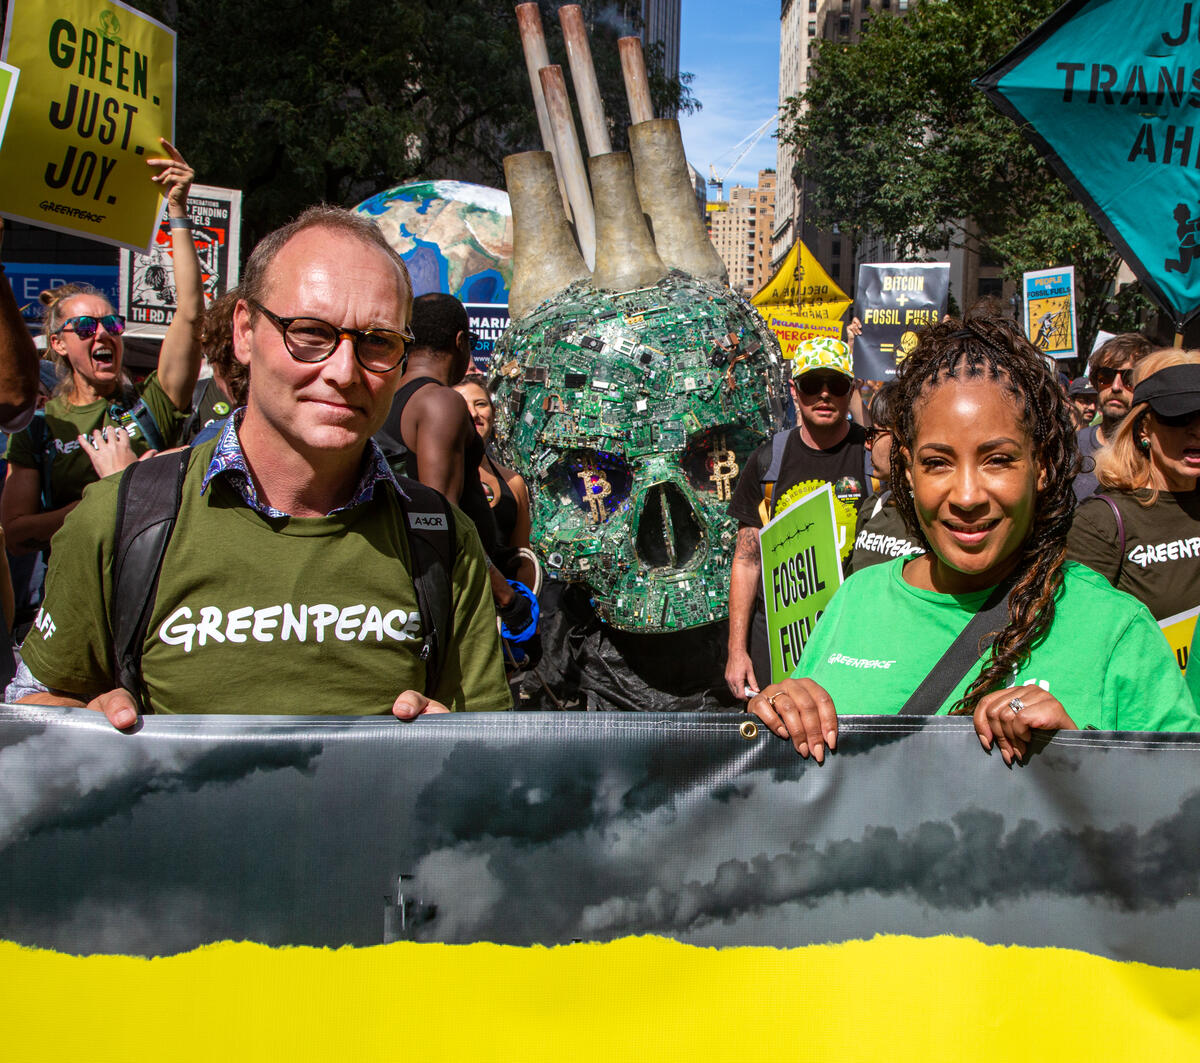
(288, 582)
(824, 447)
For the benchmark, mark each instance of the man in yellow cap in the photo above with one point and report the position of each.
(824, 447)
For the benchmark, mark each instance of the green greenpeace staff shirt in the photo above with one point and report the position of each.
(1104, 657)
(72, 470)
(265, 615)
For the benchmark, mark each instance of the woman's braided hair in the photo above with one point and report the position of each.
(985, 345)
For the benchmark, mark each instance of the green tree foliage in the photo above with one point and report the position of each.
(899, 143)
(335, 101)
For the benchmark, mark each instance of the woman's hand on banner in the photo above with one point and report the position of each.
(801, 710)
(1007, 719)
(411, 704)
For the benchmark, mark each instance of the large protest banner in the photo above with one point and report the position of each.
(147, 281)
(530, 829)
(96, 91)
(801, 568)
(801, 301)
(894, 301)
(1050, 311)
(1104, 90)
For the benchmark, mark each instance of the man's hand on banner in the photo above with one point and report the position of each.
(118, 707)
(739, 674)
(801, 710)
(1007, 718)
(411, 704)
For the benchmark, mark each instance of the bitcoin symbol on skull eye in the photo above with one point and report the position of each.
(596, 489)
(724, 469)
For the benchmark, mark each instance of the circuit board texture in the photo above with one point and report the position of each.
(630, 416)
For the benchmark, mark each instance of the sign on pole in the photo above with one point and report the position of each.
(1049, 296)
(801, 568)
(1104, 89)
(147, 281)
(894, 301)
(97, 90)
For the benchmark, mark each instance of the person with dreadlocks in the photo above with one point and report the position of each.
(982, 472)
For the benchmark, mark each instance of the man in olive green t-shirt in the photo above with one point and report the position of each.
(286, 585)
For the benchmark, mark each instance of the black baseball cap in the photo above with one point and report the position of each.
(1172, 392)
(1082, 386)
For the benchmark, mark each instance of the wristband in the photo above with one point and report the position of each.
(180, 223)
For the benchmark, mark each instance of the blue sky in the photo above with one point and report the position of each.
(732, 48)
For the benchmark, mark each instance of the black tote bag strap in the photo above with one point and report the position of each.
(960, 658)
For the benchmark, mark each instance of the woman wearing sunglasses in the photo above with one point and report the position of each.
(98, 422)
(982, 471)
(1141, 531)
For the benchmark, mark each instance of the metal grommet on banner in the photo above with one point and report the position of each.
(749, 729)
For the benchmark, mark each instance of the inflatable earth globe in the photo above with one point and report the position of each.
(455, 237)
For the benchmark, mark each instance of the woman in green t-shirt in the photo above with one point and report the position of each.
(98, 422)
(982, 471)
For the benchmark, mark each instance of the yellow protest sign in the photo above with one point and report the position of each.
(1179, 630)
(97, 90)
(801, 301)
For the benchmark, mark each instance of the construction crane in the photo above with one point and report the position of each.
(718, 181)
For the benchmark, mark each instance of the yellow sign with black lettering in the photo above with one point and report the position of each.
(97, 90)
(801, 301)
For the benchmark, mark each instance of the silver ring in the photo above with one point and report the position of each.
(1016, 704)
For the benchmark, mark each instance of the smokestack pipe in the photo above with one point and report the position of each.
(533, 42)
(545, 256)
(570, 159)
(669, 200)
(625, 254)
(583, 76)
(637, 85)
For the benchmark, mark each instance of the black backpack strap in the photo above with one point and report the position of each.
(148, 500)
(962, 655)
(43, 446)
(429, 523)
(1120, 535)
(769, 478)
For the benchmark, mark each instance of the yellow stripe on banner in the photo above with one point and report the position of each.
(893, 998)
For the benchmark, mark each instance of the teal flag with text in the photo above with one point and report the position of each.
(1109, 92)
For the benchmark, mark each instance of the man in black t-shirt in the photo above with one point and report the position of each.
(1110, 369)
(823, 448)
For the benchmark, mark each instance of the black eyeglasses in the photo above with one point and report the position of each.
(1105, 377)
(875, 432)
(812, 384)
(84, 326)
(309, 339)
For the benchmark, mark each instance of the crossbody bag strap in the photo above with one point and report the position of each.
(962, 655)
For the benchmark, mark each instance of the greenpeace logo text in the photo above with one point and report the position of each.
(1157, 553)
(288, 623)
(858, 662)
(888, 545)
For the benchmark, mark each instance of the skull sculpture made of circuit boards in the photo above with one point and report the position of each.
(630, 415)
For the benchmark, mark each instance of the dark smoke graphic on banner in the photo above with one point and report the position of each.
(537, 829)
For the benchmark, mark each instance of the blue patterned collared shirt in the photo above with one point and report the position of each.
(229, 461)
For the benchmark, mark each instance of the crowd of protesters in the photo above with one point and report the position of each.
(979, 488)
